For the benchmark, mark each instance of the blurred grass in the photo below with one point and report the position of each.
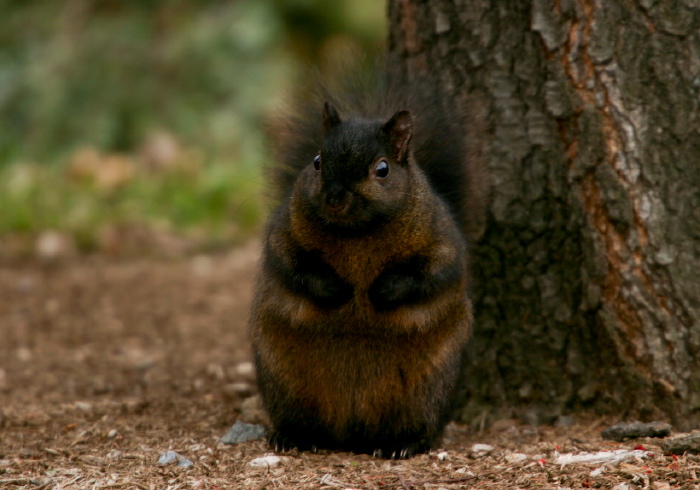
(167, 99)
(215, 203)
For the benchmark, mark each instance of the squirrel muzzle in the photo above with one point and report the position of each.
(337, 204)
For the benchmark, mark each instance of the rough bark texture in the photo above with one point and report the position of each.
(587, 275)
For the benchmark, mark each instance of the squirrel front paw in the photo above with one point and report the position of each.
(390, 291)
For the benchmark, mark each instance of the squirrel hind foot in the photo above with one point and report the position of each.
(282, 442)
(403, 452)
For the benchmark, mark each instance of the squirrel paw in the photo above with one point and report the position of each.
(281, 443)
(404, 452)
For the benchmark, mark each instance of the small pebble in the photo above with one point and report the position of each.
(112, 434)
(244, 370)
(480, 450)
(632, 430)
(24, 354)
(682, 443)
(170, 457)
(269, 461)
(53, 246)
(515, 458)
(83, 406)
(241, 432)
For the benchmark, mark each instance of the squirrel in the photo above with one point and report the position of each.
(362, 313)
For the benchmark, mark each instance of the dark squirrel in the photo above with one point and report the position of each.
(362, 313)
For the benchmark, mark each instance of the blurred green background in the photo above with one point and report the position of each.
(129, 126)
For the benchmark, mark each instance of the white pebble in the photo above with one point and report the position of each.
(54, 245)
(269, 461)
(515, 458)
(83, 406)
(480, 450)
(245, 369)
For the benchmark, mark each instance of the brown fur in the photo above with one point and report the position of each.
(362, 315)
(367, 350)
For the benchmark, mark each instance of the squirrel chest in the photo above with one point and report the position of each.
(371, 282)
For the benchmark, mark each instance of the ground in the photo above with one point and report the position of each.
(105, 364)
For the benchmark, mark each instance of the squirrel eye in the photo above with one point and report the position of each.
(381, 170)
(317, 162)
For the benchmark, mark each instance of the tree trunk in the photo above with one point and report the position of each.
(587, 275)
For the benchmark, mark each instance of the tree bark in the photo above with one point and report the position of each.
(587, 288)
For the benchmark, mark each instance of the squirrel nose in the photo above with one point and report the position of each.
(337, 201)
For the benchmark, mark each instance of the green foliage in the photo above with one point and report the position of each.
(103, 73)
(106, 77)
(218, 201)
(107, 74)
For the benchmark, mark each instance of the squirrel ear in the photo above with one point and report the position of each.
(330, 117)
(399, 128)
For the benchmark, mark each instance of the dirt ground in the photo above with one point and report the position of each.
(105, 364)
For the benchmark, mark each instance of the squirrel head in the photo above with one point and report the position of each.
(362, 175)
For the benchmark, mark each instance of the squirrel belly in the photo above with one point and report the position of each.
(359, 335)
